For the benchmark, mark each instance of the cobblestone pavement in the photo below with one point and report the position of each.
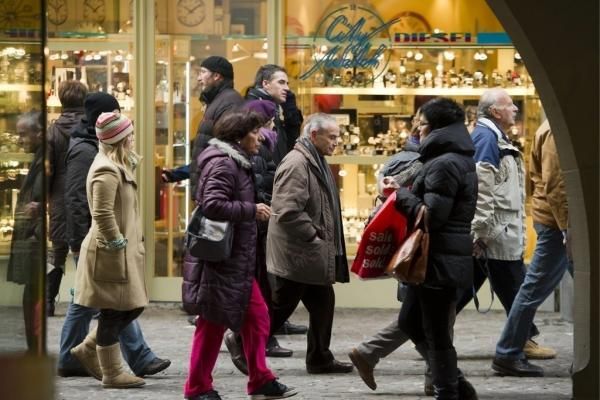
(399, 376)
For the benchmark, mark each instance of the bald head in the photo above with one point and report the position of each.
(497, 105)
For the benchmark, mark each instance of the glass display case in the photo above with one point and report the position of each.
(22, 196)
(374, 105)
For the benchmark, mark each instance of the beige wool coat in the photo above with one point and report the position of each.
(109, 278)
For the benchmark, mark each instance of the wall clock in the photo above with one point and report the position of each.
(191, 12)
(410, 22)
(57, 11)
(94, 11)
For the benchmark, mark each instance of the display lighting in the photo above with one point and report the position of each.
(517, 55)
(409, 54)
(449, 55)
(342, 173)
(480, 56)
(418, 56)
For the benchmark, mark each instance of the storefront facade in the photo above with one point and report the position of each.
(151, 68)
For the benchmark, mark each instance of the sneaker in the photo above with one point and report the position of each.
(273, 390)
(536, 352)
(210, 395)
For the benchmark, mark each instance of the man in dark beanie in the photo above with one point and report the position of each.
(216, 80)
(83, 146)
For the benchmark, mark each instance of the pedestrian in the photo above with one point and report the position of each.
(400, 170)
(305, 241)
(25, 263)
(549, 210)
(71, 94)
(499, 229)
(225, 294)
(447, 187)
(111, 269)
(271, 84)
(219, 96)
(263, 168)
(83, 148)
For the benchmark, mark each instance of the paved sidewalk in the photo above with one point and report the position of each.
(399, 376)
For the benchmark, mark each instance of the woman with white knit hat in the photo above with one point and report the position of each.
(110, 273)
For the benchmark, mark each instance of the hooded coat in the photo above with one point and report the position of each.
(220, 291)
(58, 143)
(447, 186)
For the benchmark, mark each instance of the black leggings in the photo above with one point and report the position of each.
(429, 314)
(112, 322)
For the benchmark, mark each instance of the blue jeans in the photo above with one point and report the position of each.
(545, 272)
(77, 325)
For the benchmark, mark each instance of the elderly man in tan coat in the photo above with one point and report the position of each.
(110, 271)
(305, 244)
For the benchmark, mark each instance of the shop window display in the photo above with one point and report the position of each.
(383, 65)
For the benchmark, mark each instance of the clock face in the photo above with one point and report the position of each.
(191, 12)
(410, 22)
(57, 11)
(94, 11)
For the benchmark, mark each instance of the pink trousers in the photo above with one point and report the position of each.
(206, 344)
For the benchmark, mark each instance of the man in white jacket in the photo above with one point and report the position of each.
(498, 228)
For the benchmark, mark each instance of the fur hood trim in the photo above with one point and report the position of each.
(232, 152)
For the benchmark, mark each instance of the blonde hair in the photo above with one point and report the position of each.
(121, 156)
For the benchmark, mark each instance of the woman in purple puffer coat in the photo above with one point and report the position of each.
(225, 294)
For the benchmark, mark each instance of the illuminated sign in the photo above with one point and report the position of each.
(351, 32)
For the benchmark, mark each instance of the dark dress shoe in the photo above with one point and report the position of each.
(519, 368)
(155, 366)
(291, 329)
(334, 367)
(210, 395)
(236, 351)
(274, 350)
(68, 372)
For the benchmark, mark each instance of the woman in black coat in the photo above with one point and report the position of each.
(447, 186)
(225, 294)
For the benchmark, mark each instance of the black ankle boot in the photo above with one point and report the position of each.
(466, 391)
(53, 279)
(423, 349)
(445, 374)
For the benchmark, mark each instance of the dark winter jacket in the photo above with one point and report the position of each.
(218, 99)
(288, 121)
(447, 186)
(83, 147)
(219, 292)
(58, 144)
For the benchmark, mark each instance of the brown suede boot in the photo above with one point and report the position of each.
(85, 353)
(113, 375)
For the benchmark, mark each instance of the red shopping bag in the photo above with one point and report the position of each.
(382, 236)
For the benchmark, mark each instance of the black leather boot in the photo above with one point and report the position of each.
(53, 279)
(423, 349)
(445, 374)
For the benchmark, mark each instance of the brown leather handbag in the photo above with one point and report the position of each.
(409, 263)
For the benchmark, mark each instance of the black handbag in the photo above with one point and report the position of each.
(208, 240)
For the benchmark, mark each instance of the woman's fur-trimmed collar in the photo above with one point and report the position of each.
(232, 152)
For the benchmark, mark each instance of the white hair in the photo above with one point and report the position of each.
(317, 122)
(489, 98)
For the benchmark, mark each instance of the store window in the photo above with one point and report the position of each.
(373, 63)
(22, 197)
(187, 32)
